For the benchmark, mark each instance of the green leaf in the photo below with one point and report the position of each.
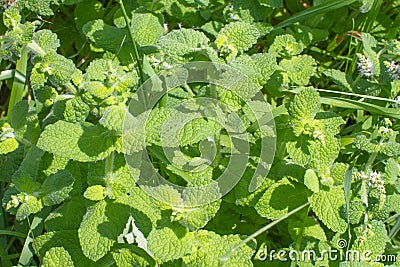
(75, 141)
(208, 247)
(53, 164)
(125, 257)
(56, 188)
(258, 67)
(147, 212)
(331, 121)
(66, 239)
(244, 10)
(363, 143)
(24, 182)
(285, 46)
(327, 205)
(56, 257)
(104, 36)
(165, 245)
(373, 239)
(56, 68)
(306, 227)
(100, 227)
(338, 171)
(272, 3)
(188, 12)
(11, 17)
(10, 164)
(237, 36)
(31, 205)
(113, 118)
(30, 164)
(305, 104)
(315, 154)
(197, 130)
(40, 7)
(197, 216)
(47, 40)
(68, 216)
(311, 180)
(98, 90)
(95, 193)
(166, 194)
(369, 43)
(8, 145)
(354, 211)
(299, 69)
(340, 78)
(392, 203)
(146, 28)
(391, 171)
(75, 110)
(119, 175)
(18, 118)
(280, 198)
(391, 149)
(178, 45)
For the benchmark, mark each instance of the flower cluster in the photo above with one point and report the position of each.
(365, 66)
(376, 181)
(393, 68)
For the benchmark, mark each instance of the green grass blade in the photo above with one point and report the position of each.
(35, 230)
(3, 239)
(323, 8)
(348, 176)
(354, 104)
(12, 233)
(18, 88)
(7, 74)
(395, 229)
(10, 257)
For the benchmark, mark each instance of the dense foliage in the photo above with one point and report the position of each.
(329, 70)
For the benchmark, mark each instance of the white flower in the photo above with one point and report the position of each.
(393, 68)
(365, 66)
(384, 130)
(396, 105)
(376, 181)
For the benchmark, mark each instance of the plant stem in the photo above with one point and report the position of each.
(372, 157)
(109, 168)
(188, 89)
(18, 87)
(137, 56)
(34, 47)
